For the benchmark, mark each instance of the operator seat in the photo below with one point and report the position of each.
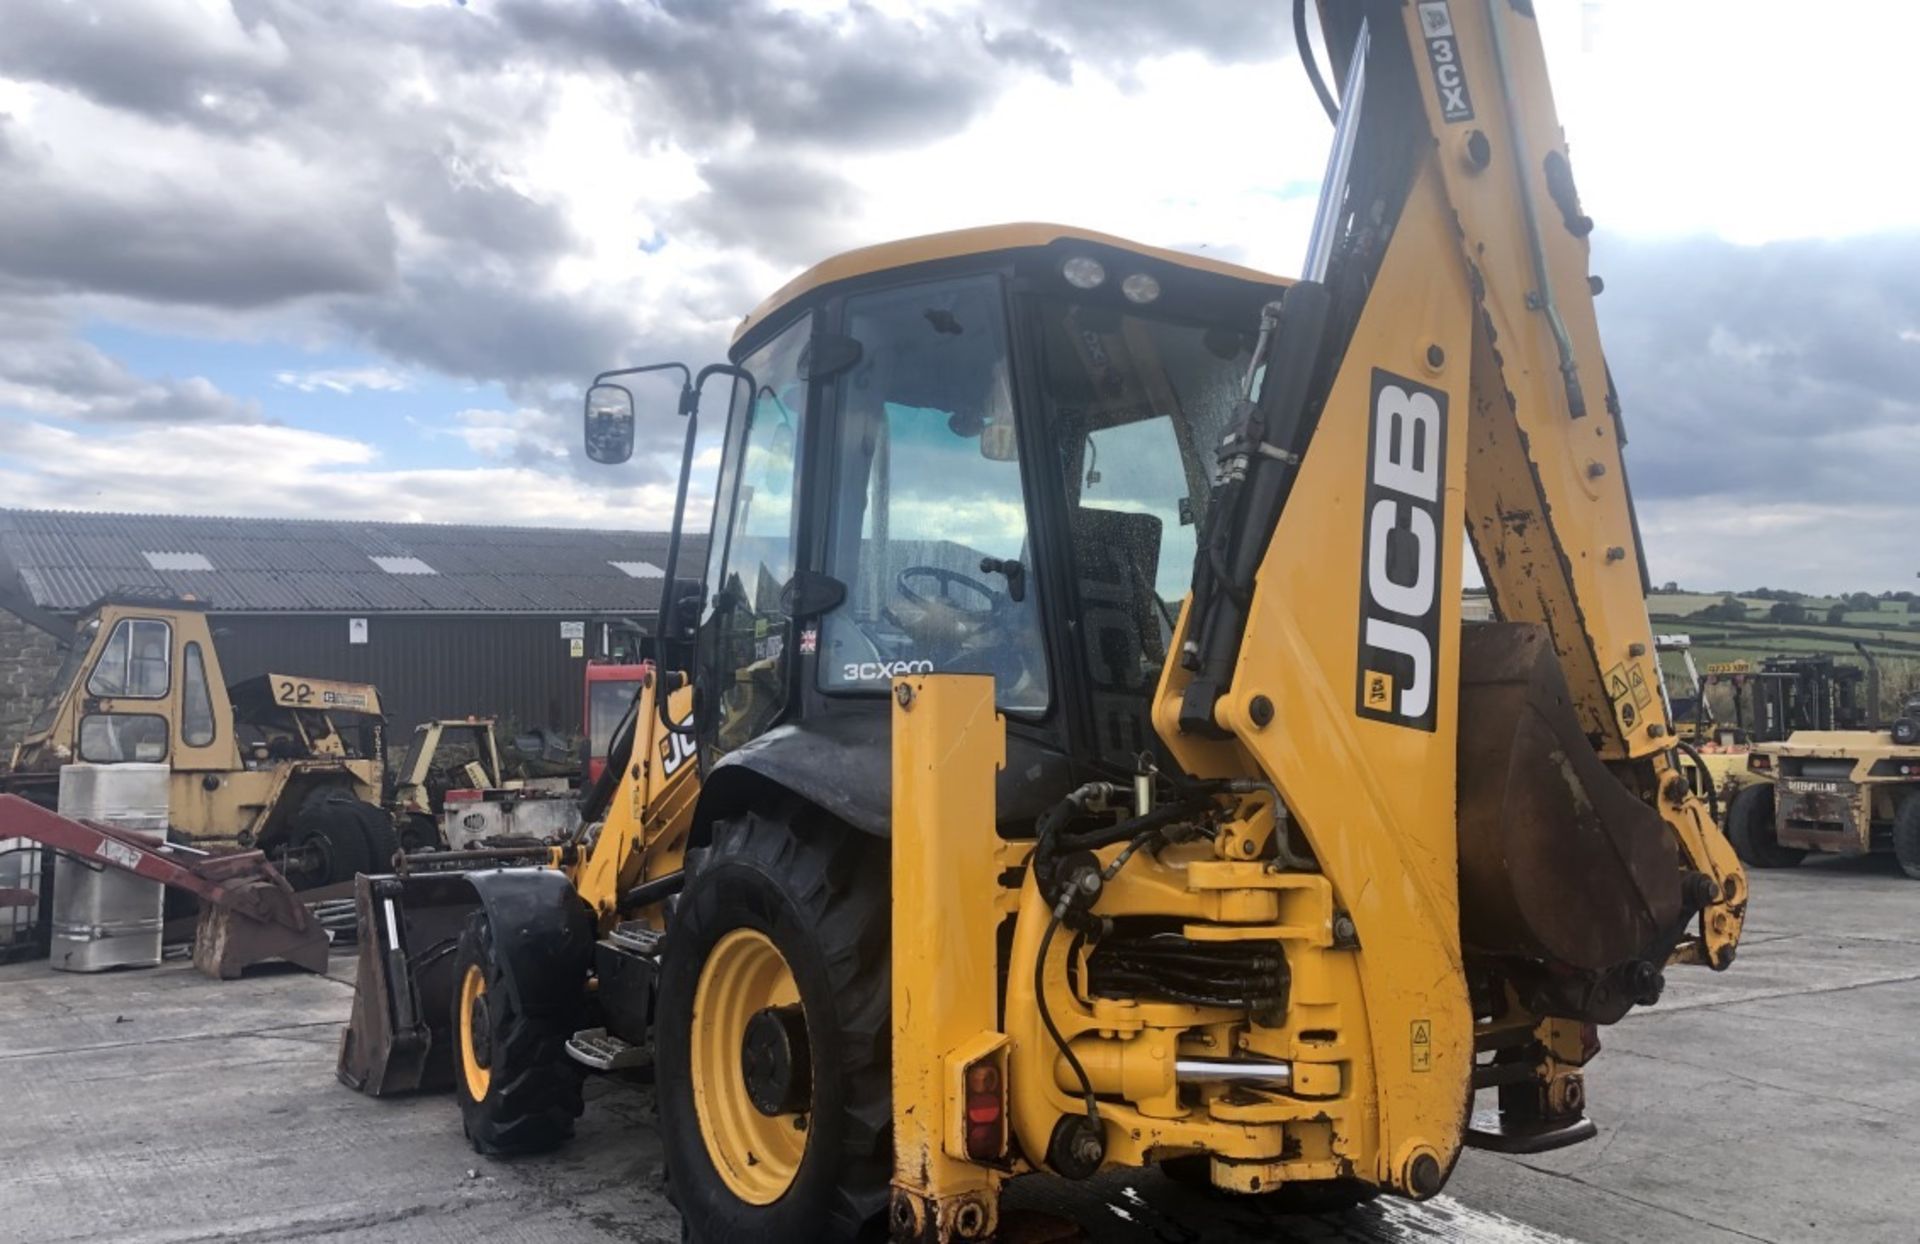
(1115, 555)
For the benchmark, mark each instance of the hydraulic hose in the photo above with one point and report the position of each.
(1706, 779)
(1046, 1018)
(1304, 46)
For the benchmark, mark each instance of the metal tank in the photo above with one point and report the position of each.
(104, 918)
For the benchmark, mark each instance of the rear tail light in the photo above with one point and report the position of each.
(1757, 761)
(986, 1111)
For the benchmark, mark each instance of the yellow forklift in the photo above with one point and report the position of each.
(1070, 757)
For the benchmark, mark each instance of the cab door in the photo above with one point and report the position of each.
(127, 714)
(753, 549)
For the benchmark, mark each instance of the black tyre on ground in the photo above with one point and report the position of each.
(1302, 1196)
(518, 1090)
(419, 833)
(783, 929)
(1906, 835)
(1751, 829)
(382, 842)
(325, 843)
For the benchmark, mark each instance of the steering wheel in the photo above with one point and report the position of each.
(946, 579)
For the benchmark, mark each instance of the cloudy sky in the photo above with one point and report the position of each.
(356, 257)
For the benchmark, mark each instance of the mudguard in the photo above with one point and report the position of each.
(401, 1033)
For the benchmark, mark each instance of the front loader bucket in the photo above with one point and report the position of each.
(399, 1039)
(1565, 874)
(262, 924)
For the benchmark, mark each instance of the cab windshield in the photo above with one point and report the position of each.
(929, 518)
(1136, 406)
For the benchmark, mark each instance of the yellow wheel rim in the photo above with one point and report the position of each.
(757, 1155)
(478, 1075)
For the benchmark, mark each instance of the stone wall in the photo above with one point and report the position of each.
(29, 658)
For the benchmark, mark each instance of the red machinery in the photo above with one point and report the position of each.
(609, 693)
(248, 912)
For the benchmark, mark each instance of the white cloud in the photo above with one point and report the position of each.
(345, 380)
(274, 471)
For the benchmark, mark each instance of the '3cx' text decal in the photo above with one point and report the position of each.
(1443, 57)
(1400, 552)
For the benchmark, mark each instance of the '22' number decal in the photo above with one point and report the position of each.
(295, 693)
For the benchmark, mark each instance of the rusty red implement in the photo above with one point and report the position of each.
(248, 912)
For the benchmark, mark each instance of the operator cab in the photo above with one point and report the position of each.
(987, 452)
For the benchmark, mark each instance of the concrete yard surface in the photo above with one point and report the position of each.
(1775, 1102)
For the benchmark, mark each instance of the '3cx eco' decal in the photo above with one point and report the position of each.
(1400, 552)
(1443, 57)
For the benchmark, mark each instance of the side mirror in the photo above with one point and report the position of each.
(609, 424)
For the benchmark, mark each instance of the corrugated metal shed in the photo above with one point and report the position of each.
(66, 561)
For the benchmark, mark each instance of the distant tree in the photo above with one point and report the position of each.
(1787, 611)
(1730, 608)
(1836, 615)
(1670, 587)
(1775, 593)
(1862, 601)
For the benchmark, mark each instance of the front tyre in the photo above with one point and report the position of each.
(1751, 829)
(771, 1034)
(1906, 835)
(518, 1090)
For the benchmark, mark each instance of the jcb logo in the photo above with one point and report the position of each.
(676, 749)
(1405, 516)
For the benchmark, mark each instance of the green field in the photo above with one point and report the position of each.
(1892, 637)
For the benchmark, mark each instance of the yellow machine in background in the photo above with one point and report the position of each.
(283, 762)
(1092, 767)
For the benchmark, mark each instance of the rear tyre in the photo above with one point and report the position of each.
(382, 842)
(780, 943)
(1906, 835)
(1301, 1196)
(1906, 731)
(419, 833)
(1751, 829)
(325, 845)
(518, 1090)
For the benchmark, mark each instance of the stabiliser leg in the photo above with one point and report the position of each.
(949, 1061)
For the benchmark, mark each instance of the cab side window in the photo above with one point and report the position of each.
(137, 662)
(196, 707)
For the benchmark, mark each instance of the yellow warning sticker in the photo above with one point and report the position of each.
(1617, 687)
(1379, 691)
(1423, 1045)
(1637, 679)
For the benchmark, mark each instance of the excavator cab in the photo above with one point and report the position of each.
(983, 453)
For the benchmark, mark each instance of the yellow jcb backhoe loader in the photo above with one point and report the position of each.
(1092, 767)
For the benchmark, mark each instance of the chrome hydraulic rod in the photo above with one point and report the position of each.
(1333, 187)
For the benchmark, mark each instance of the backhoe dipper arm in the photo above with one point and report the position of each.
(1499, 811)
(1548, 506)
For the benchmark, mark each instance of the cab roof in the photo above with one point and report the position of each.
(982, 240)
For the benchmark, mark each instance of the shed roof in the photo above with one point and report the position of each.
(67, 560)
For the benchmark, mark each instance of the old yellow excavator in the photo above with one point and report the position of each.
(1079, 761)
